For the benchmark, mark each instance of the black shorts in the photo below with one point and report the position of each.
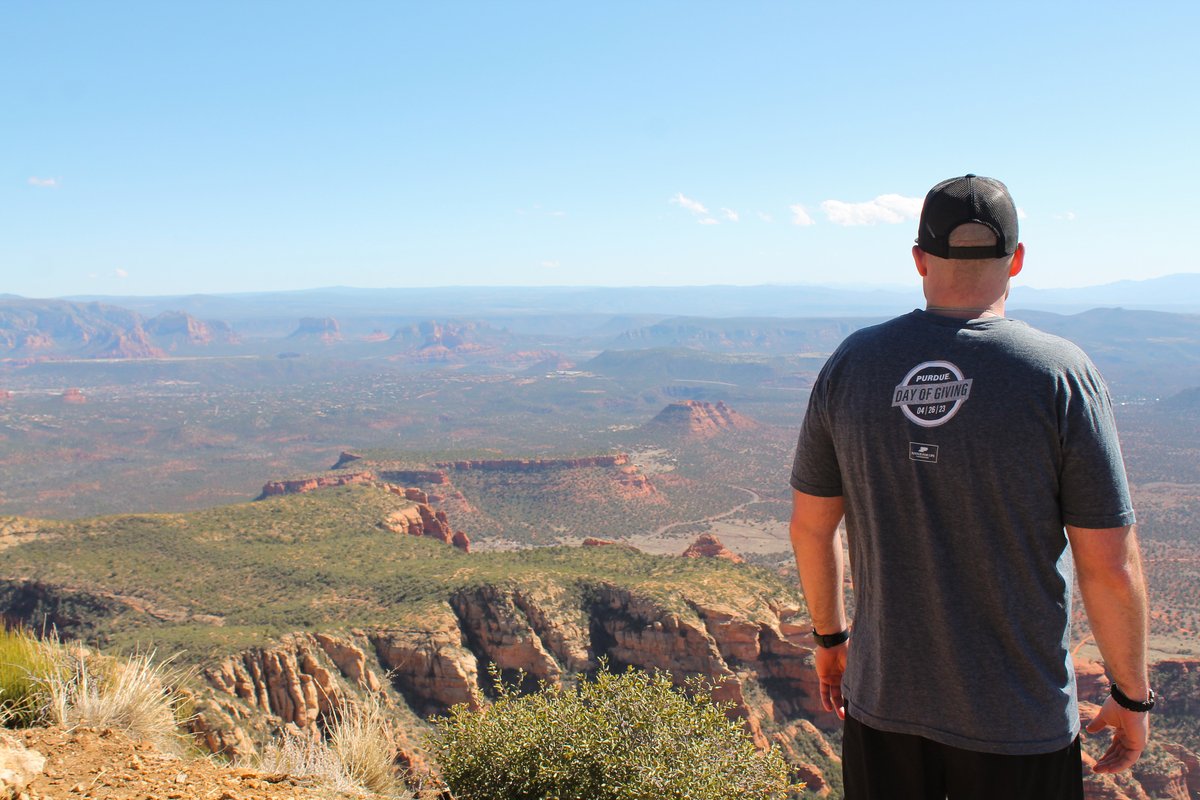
(877, 765)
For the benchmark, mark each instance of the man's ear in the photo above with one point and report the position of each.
(1018, 261)
(919, 260)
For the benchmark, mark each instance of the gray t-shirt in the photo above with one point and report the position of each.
(961, 449)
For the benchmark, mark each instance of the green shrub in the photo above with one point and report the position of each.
(25, 666)
(626, 736)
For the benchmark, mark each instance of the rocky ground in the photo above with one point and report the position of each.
(90, 763)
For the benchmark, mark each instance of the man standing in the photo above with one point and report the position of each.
(958, 444)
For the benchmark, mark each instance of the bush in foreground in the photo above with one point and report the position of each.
(626, 736)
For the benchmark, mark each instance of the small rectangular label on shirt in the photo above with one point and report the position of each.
(918, 451)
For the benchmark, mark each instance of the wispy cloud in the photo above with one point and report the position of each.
(557, 213)
(708, 221)
(1067, 216)
(730, 214)
(43, 183)
(765, 217)
(120, 273)
(694, 206)
(886, 208)
(1021, 213)
(800, 216)
(551, 264)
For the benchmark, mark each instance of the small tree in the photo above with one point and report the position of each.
(627, 736)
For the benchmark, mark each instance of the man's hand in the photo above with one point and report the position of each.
(831, 663)
(1131, 731)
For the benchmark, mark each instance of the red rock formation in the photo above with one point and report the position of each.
(429, 477)
(430, 665)
(5, 395)
(323, 329)
(73, 396)
(709, 546)
(302, 485)
(287, 680)
(698, 419)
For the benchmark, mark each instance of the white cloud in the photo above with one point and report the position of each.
(708, 221)
(1021, 213)
(557, 213)
(1068, 216)
(886, 208)
(694, 206)
(765, 217)
(800, 216)
(120, 273)
(730, 214)
(43, 183)
(550, 264)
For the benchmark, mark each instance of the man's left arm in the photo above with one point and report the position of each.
(1109, 566)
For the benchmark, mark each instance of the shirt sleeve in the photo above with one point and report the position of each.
(1094, 492)
(815, 469)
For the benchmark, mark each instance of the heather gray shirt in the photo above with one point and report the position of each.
(961, 449)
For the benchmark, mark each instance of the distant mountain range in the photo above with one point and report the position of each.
(1178, 293)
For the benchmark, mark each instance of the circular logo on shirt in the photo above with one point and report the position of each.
(931, 393)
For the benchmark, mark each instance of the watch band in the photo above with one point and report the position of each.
(1126, 702)
(831, 639)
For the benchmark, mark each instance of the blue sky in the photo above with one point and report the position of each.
(176, 147)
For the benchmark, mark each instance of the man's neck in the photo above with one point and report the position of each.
(996, 309)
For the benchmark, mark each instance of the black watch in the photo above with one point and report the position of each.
(1124, 701)
(832, 639)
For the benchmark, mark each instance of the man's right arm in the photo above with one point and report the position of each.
(1109, 566)
(818, 548)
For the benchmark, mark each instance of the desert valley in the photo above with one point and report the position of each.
(309, 496)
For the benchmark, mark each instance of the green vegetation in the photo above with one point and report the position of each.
(26, 665)
(217, 581)
(627, 736)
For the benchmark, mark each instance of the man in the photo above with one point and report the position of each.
(957, 444)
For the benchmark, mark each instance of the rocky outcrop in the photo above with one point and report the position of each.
(73, 396)
(419, 519)
(697, 419)
(708, 545)
(634, 483)
(312, 484)
(431, 665)
(18, 765)
(287, 680)
(171, 330)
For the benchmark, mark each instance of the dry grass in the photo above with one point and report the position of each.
(138, 695)
(356, 754)
(361, 736)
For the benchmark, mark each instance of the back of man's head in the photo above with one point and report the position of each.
(970, 200)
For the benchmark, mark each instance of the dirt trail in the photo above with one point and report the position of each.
(755, 497)
(107, 765)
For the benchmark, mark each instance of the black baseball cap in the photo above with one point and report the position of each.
(958, 201)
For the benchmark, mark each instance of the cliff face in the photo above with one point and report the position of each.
(756, 658)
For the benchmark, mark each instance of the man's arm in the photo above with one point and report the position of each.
(1109, 566)
(818, 548)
